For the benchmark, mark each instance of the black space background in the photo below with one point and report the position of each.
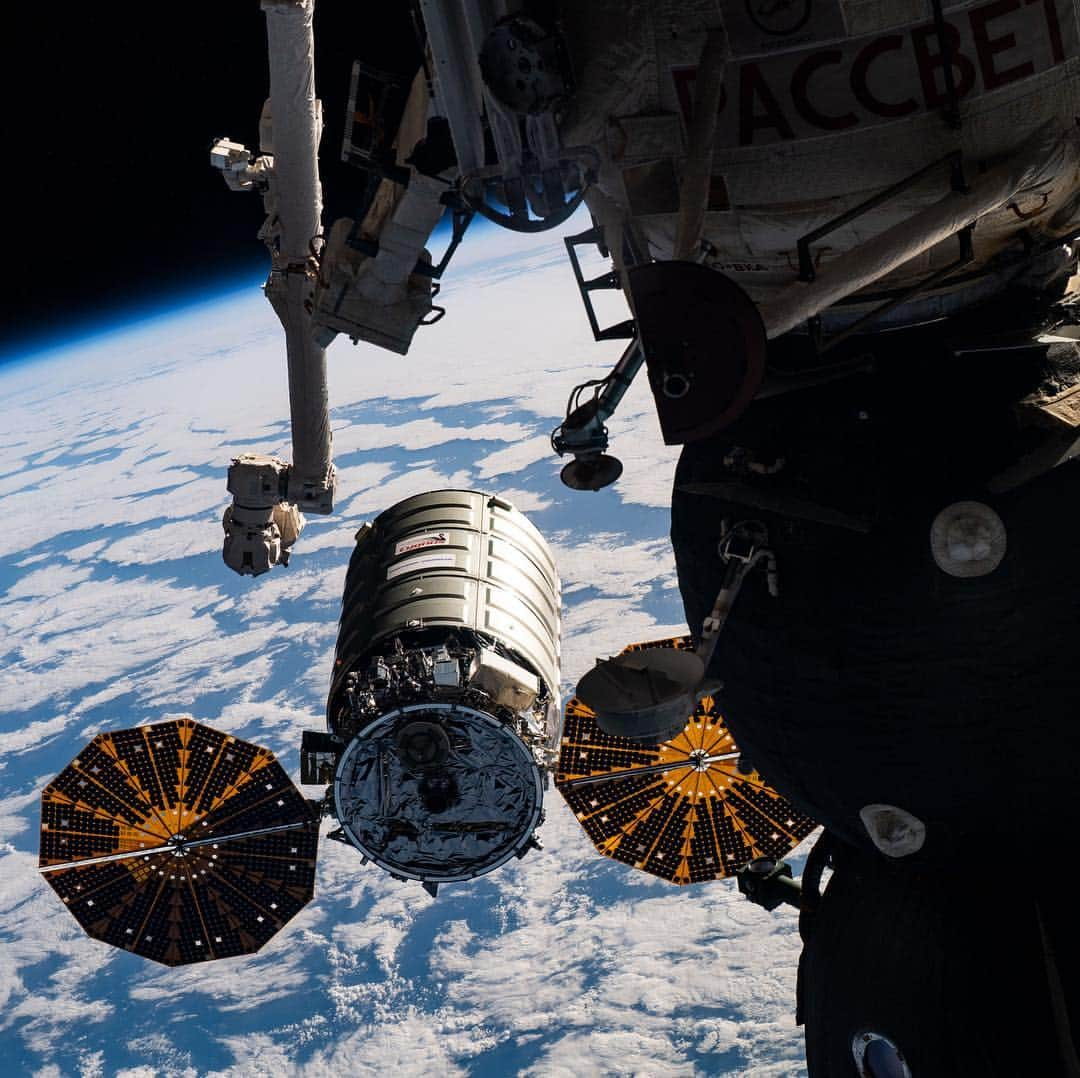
(108, 112)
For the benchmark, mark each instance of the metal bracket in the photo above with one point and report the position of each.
(460, 221)
(620, 330)
(742, 548)
(743, 541)
(951, 111)
(768, 883)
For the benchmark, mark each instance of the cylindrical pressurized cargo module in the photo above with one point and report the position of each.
(443, 712)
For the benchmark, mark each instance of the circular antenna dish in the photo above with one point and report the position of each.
(705, 346)
(591, 472)
(643, 694)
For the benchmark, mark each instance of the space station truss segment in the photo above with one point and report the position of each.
(681, 809)
(178, 842)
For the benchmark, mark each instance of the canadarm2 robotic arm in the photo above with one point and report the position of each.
(268, 494)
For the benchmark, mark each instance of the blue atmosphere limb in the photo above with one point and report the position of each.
(39, 340)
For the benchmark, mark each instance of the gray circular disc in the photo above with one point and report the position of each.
(446, 819)
(591, 472)
(967, 539)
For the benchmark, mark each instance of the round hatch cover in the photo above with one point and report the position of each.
(452, 813)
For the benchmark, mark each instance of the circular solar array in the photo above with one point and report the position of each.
(178, 842)
(680, 809)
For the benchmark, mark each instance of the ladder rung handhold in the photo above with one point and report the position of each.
(605, 280)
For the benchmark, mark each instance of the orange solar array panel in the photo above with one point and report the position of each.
(178, 842)
(682, 809)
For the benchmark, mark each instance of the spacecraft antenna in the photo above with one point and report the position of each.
(647, 691)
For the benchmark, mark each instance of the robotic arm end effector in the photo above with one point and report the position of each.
(260, 525)
(239, 169)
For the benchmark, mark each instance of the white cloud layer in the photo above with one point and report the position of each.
(115, 609)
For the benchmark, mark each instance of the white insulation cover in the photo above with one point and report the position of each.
(295, 120)
(297, 204)
(385, 811)
(823, 107)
